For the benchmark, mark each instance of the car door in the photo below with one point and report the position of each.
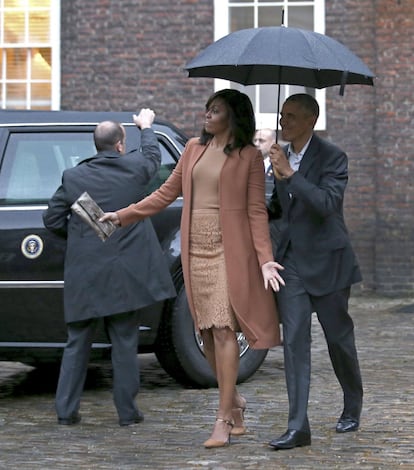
(31, 259)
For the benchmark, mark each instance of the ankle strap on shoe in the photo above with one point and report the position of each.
(228, 422)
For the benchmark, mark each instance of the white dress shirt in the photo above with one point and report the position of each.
(296, 158)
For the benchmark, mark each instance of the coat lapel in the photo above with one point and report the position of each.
(309, 158)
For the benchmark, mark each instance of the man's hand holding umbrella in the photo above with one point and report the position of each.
(280, 164)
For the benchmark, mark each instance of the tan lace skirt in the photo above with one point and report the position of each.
(208, 272)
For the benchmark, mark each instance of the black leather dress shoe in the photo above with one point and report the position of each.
(138, 418)
(291, 439)
(74, 419)
(347, 425)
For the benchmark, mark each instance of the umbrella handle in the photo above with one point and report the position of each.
(278, 108)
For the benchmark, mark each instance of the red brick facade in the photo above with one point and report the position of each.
(125, 54)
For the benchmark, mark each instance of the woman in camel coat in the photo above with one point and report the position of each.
(220, 176)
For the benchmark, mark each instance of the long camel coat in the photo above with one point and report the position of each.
(245, 235)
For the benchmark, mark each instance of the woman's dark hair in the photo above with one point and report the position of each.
(241, 119)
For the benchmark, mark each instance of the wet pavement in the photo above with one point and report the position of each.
(178, 420)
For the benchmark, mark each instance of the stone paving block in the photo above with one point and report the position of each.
(178, 420)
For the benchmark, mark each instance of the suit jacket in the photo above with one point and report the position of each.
(245, 234)
(128, 271)
(312, 221)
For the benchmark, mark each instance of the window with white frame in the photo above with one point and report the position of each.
(29, 54)
(233, 15)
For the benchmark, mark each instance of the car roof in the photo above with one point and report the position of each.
(17, 118)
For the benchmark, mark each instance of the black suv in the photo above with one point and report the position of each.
(35, 148)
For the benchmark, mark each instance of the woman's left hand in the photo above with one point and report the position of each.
(271, 275)
(112, 217)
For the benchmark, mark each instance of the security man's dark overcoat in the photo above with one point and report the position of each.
(128, 271)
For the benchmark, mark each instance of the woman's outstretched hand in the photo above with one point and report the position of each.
(271, 275)
(111, 216)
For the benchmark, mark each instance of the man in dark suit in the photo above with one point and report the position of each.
(320, 265)
(110, 280)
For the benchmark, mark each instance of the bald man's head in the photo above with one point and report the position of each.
(107, 136)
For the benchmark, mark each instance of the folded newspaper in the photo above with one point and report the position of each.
(90, 212)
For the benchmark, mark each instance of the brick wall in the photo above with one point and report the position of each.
(375, 126)
(126, 54)
(351, 125)
(395, 146)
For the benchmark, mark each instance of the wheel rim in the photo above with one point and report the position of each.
(241, 340)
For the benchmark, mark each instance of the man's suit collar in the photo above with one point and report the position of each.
(308, 158)
(103, 154)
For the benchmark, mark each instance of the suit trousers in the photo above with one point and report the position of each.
(123, 333)
(296, 306)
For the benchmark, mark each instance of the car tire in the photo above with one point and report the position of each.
(179, 349)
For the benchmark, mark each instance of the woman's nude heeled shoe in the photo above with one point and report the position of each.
(213, 443)
(238, 428)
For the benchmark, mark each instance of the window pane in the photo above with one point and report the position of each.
(41, 60)
(34, 163)
(268, 98)
(41, 93)
(14, 27)
(16, 95)
(39, 4)
(270, 16)
(301, 17)
(16, 64)
(241, 18)
(39, 30)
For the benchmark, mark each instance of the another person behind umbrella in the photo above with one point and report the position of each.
(320, 265)
(225, 245)
(263, 140)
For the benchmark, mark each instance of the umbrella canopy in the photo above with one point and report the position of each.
(280, 55)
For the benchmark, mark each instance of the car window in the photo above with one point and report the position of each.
(167, 166)
(34, 162)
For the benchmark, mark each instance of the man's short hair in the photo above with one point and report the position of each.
(107, 134)
(308, 102)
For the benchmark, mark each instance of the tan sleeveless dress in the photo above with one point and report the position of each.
(207, 265)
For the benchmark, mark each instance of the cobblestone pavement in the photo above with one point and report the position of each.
(178, 420)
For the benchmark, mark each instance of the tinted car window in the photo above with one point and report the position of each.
(34, 162)
(167, 166)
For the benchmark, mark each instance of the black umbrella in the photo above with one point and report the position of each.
(280, 55)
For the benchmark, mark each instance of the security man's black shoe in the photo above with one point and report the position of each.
(74, 419)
